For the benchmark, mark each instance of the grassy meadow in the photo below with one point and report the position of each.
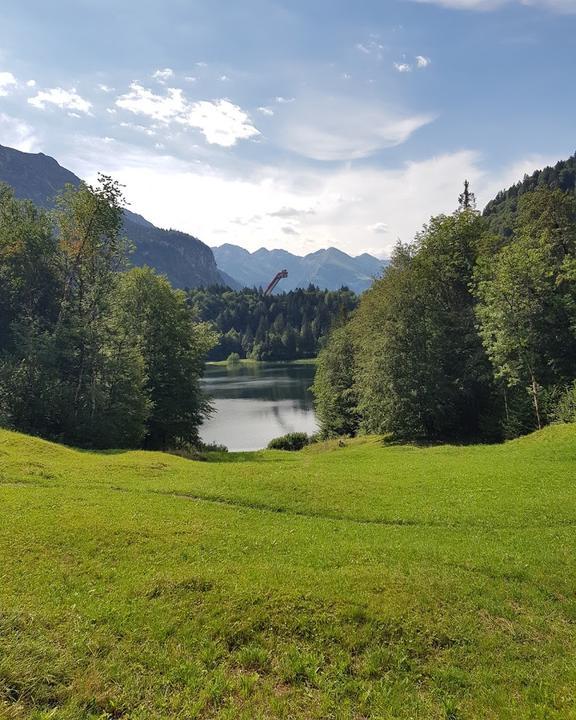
(339, 582)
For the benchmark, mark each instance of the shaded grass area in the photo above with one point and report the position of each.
(356, 582)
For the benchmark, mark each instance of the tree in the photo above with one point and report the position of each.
(173, 348)
(334, 392)
(527, 308)
(422, 372)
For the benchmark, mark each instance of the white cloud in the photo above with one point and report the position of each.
(220, 121)
(7, 82)
(372, 47)
(422, 62)
(64, 99)
(350, 207)
(105, 88)
(332, 128)
(141, 101)
(31, 83)
(561, 6)
(266, 111)
(17, 134)
(380, 228)
(283, 100)
(190, 78)
(163, 75)
(402, 67)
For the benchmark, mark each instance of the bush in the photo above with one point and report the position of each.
(233, 359)
(565, 409)
(291, 441)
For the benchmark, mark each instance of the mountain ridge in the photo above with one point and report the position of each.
(328, 268)
(183, 258)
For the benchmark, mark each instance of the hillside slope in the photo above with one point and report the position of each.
(355, 582)
(328, 269)
(501, 211)
(185, 260)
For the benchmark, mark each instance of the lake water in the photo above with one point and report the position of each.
(255, 403)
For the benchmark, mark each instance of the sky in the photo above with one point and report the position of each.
(294, 124)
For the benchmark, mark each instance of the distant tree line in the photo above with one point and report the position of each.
(285, 326)
(470, 333)
(90, 354)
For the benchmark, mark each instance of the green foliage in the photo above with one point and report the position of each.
(286, 326)
(88, 355)
(467, 335)
(421, 369)
(527, 298)
(173, 348)
(564, 410)
(233, 359)
(501, 212)
(290, 441)
(335, 395)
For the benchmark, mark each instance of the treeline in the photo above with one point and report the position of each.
(91, 355)
(469, 334)
(286, 326)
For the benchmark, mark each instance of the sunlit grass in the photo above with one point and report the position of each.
(340, 582)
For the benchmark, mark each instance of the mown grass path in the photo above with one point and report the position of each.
(356, 582)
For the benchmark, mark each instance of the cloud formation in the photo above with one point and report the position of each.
(336, 129)
(561, 6)
(63, 99)
(220, 121)
(7, 82)
(163, 75)
(17, 134)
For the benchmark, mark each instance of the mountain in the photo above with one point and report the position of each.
(501, 212)
(328, 269)
(185, 260)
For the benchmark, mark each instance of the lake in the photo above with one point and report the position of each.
(257, 402)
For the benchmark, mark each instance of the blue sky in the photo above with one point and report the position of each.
(288, 123)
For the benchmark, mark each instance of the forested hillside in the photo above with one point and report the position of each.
(275, 327)
(185, 260)
(501, 212)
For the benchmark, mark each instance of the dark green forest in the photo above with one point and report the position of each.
(91, 354)
(285, 326)
(471, 332)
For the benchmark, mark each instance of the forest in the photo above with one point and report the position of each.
(93, 354)
(285, 326)
(471, 332)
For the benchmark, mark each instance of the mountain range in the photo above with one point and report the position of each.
(327, 269)
(183, 258)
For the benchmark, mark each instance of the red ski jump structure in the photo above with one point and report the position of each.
(279, 276)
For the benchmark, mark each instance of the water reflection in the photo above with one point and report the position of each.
(255, 403)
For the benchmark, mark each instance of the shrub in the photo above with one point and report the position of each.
(233, 358)
(291, 441)
(565, 409)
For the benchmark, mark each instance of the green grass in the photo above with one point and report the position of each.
(356, 582)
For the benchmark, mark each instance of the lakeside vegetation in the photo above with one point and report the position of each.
(469, 334)
(342, 582)
(279, 327)
(91, 355)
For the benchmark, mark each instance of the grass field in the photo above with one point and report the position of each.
(356, 582)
